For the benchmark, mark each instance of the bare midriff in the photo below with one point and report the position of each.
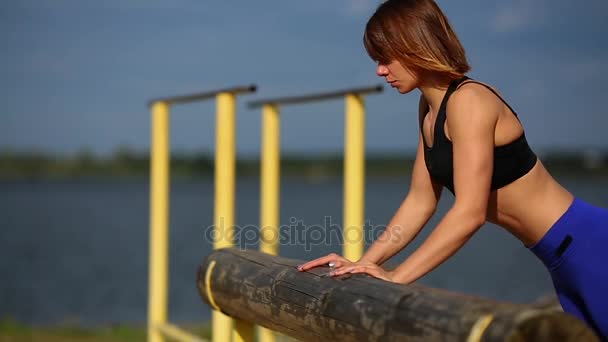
(529, 206)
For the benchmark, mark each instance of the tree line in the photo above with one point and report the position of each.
(127, 162)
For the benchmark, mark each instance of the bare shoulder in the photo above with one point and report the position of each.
(474, 100)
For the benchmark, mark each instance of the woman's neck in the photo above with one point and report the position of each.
(433, 90)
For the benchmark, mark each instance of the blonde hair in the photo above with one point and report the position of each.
(418, 35)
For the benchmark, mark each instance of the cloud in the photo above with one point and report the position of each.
(517, 15)
(587, 70)
(532, 88)
(112, 5)
(357, 8)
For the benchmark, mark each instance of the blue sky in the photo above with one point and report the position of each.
(78, 74)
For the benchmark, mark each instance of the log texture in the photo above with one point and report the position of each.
(310, 306)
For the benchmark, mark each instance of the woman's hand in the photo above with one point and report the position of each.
(332, 260)
(367, 268)
(340, 265)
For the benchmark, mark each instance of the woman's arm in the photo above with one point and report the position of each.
(413, 213)
(471, 125)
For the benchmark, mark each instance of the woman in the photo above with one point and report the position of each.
(472, 143)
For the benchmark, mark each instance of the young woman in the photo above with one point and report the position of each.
(472, 143)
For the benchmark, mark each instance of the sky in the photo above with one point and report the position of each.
(78, 74)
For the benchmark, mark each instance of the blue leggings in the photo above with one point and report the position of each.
(575, 250)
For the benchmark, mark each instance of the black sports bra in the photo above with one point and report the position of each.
(511, 161)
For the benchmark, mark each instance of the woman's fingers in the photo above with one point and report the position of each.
(337, 263)
(340, 265)
(373, 270)
(322, 261)
(365, 269)
(341, 270)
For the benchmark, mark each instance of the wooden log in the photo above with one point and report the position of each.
(311, 306)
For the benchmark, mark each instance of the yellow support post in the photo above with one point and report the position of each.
(159, 221)
(354, 159)
(159, 209)
(225, 160)
(270, 180)
(224, 195)
(354, 177)
(270, 191)
(176, 334)
(243, 331)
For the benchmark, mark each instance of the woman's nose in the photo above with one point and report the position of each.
(381, 70)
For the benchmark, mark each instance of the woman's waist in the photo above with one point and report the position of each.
(530, 215)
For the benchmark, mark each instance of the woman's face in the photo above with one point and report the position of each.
(397, 76)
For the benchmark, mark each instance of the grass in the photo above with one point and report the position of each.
(13, 331)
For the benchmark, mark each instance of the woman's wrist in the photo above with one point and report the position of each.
(368, 259)
(400, 274)
(397, 277)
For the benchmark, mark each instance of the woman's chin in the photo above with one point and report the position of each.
(403, 90)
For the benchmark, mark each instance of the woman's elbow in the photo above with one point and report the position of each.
(478, 219)
(474, 216)
(424, 205)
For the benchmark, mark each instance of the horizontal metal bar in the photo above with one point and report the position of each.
(178, 334)
(204, 95)
(314, 97)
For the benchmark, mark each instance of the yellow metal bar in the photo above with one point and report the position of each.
(329, 95)
(224, 195)
(206, 95)
(243, 331)
(225, 160)
(177, 334)
(354, 176)
(270, 190)
(270, 180)
(159, 221)
(266, 335)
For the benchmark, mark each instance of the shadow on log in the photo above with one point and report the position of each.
(310, 306)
